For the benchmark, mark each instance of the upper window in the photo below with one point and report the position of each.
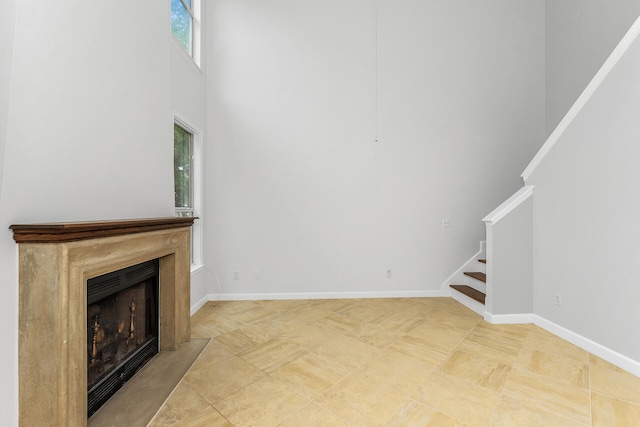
(183, 23)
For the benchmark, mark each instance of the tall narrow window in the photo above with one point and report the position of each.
(182, 23)
(187, 169)
(183, 171)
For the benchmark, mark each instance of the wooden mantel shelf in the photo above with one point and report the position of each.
(60, 232)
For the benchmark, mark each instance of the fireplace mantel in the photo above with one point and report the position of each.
(59, 232)
(55, 262)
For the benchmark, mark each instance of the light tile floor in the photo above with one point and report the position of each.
(389, 362)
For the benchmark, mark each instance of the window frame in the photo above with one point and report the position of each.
(186, 209)
(195, 12)
(195, 178)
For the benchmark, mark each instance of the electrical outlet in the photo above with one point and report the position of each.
(388, 274)
(258, 274)
(446, 222)
(558, 300)
(236, 275)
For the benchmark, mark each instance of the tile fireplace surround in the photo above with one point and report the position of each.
(55, 262)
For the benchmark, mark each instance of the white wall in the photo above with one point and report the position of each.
(580, 36)
(7, 29)
(8, 264)
(297, 187)
(89, 129)
(188, 87)
(586, 227)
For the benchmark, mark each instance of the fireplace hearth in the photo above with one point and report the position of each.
(56, 263)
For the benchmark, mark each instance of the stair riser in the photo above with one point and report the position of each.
(475, 284)
(482, 267)
(468, 302)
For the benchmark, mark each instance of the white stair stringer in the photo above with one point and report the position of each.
(459, 278)
(470, 281)
(470, 303)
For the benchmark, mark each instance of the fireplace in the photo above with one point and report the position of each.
(58, 264)
(122, 328)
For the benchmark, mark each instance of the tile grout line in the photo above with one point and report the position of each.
(513, 366)
(436, 368)
(208, 403)
(211, 404)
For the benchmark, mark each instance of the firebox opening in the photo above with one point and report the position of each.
(122, 328)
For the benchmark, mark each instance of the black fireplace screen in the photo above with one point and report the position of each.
(122, 328)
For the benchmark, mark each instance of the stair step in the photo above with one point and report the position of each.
(484, 261)
(470, 292)
(477, 275)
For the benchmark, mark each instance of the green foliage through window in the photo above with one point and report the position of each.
(182, 169)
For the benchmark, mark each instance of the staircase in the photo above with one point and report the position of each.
(470, 289)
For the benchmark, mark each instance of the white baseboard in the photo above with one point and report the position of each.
(324, 295)
(508, 319)
(199, 304)
(593, 347)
